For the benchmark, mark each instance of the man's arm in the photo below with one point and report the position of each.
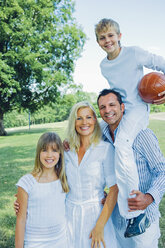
(147, 145)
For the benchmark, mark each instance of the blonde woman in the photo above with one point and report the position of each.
(89, 168)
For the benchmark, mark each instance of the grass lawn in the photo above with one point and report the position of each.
(17, 151)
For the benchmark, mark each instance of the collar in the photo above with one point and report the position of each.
(106, 133)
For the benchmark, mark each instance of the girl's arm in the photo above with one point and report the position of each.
(22, 199)
(97, 234)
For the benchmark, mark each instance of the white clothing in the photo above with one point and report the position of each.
(126, 70)
(46, 244)
(124, 74)
(46, 221)
(148, 239)
(125, 166)
(83, 202)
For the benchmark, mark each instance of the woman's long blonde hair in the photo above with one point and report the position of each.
(46, 139)
(72, 135)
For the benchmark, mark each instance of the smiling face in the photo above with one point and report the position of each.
(111, 110)
(85, 122)
(109, 41)
(49, 156)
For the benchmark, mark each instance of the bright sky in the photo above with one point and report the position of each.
(142, 23)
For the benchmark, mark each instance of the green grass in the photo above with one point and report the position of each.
(17, 151)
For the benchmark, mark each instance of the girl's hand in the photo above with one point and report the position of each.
(161, 100)
(97, 236)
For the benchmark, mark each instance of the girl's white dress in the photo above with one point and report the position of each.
(83, 202)
(46, 222)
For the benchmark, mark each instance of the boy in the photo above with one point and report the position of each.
(123, 68)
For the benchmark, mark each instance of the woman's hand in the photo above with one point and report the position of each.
(16, 206)
(66, 145)
(97, 236)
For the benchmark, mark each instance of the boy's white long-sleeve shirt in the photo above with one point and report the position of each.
(126, 70)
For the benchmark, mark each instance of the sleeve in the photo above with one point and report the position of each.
(156, 162)
(26, 182)
(108, 165)
(150, 60)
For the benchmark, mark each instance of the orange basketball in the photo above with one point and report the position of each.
(151, 85)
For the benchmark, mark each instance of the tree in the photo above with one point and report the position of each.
(61, 110)
(39, 42)
(55, 111)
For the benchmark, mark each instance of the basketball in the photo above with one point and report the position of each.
(150, 86)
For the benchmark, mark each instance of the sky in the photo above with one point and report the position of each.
(141, 24)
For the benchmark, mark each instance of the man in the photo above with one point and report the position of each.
(151, 169)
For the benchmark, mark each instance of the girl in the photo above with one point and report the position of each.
(41, 196)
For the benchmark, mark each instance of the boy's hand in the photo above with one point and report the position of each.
(162, 100)
(66, 145)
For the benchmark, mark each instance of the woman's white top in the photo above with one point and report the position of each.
(86, 182)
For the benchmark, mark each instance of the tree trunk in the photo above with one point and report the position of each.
(2, 130)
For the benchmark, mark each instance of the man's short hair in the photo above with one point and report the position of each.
(105, 92)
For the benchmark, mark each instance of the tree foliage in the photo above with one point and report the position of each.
(39, 43)
(58, 111)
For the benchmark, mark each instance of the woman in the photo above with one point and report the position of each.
(89, 168)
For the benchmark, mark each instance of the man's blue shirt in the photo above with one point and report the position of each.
(151, 168)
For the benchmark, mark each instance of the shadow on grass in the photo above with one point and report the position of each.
(3, 202)
(6, 238)
(27, 132)
(16, 152)
(35, 130)
(16, 163)
(162, 223)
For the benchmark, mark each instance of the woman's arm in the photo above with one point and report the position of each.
(22, 199)
(97, 234)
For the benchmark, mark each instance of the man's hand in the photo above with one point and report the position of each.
(161, 100)
(104, 199)
(140, 202)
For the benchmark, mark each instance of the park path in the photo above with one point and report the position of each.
(158, 116)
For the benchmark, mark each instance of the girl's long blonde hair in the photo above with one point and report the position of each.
(72, 135)
(46, 139)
